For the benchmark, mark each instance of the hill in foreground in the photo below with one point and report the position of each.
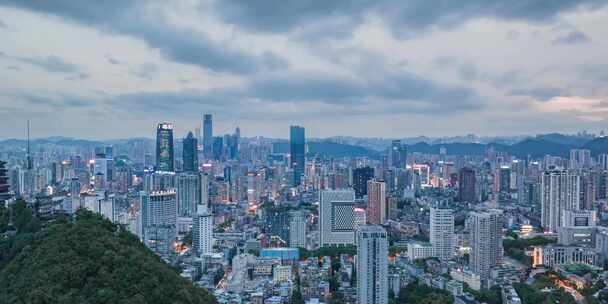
(89, 261)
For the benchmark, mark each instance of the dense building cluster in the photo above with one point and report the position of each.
(260, 220)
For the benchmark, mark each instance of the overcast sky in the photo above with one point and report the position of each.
(114, 68)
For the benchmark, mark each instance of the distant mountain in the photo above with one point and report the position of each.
(538, 148)
(569, 140)
(328, 148)
(88, 261)
(597, 146)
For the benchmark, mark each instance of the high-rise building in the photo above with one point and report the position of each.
(208, 135)
(504, 179)
(5, 194)
(560, 191)
(204, 199)
(602, 160)
(276, 222)
(159, 219)
(218, 148)
(580, 158)
(297, 145)
(188, 194)
(190, 153)
(360, 218)
(485, 228)
(336, 217)
(202, 230)
(372, 265)
(297, 229)
(466, 185)
(376, 202)
(360, 178)
(164, 147)
(398, 154)
(442, 232)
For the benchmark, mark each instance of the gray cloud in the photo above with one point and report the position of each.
(13, 67)
(61, 101)
(540, 93)
(2, 24)
(135, 19)
(405, 17)
(112, 60)
(51, 63)
(572, 38)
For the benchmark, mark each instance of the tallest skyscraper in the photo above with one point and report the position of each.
(208, 135)
(297, 144)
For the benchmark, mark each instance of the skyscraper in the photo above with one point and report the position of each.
(4, 186)
(580, 158)
(360, 178)
(442, 232)
(208, 135)
(466, 185)
(376, 202)
(336, 217)
(398, 154)
(188, 194)
(202, 229)
(560, 191)
(190, 153)
(485, 228)
(164, 147)
(159, 218)
(297, 229)
(218, 148)
(504, 179)
(297, 144)
(372, 265)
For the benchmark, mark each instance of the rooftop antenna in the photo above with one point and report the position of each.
(29, 157)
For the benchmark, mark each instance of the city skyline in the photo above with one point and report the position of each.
(365, 69)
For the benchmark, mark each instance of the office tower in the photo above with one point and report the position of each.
(466, 185)
(360, 178)
(580, 158)
(190, 153)
(164, 147)
(398, 155)
(74, 203)
(297, 144)
(5, 194)
(159, 218)
(218, 148)
(100, 167)
(560, 191)
(442, 232)
(159, 181)
(376, 202)
(188, 193)
(297, 229)
(336, 217)
(202, 229)
(372, 265)
(504, 179)
(485, 230)
(204, 199)
(208, 135)
(29, 165)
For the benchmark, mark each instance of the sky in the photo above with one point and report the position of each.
(395, 68)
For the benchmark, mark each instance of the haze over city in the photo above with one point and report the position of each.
(112, 69)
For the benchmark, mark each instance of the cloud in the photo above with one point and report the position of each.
(147, 21)
(147, 70)
(13, 67)
(51, 63)
(539, 93)
(573, 37)
(112, 60)
(2, 24)
(63, 101)
(403, 16)
(586, 109)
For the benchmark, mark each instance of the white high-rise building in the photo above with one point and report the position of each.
(580, 158)
(159, 219)
(188, 194)
(372, 265)
(442, 232)
(297, 229)
(360, 217)
(337, 217)
(560, 191)
(202, 230)
(485, 228)
(204, 189)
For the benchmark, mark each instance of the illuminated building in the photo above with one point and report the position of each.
(376, 202)
(164, 148)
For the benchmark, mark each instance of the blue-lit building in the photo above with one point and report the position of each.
(164, 148)
(190, 153)
(297, 144)
(285, 254)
